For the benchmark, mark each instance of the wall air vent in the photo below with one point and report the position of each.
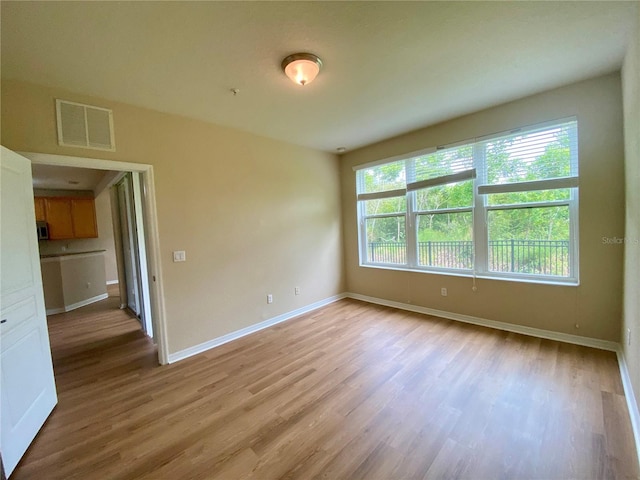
(84, 126)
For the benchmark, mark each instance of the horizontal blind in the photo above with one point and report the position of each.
(550, 184)
(532, 156)
(443, 166)
(443, 180)
(539, 158)
(382, 181)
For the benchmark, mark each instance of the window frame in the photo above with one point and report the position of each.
(479, 209)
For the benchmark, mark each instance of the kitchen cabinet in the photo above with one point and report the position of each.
(40, 212)
(69, 218)
(83, 217)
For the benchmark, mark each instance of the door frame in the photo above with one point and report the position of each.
(154, 259)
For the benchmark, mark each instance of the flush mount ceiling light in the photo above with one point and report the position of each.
(302, 68)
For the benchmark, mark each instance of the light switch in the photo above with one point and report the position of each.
(179, 256)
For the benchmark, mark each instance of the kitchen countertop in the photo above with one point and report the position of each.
(67, 254)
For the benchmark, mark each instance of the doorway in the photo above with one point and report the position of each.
(138, 216)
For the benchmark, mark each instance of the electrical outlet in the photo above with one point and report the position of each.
(179, 256)
(88, 284)
(628, 336)
(296, 290)
(269, 298)
(443, 292)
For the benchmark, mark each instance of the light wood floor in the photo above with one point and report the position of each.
(349, 391)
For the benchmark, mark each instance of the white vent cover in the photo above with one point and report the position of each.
(85, 126)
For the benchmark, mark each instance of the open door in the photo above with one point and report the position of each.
(28, 386)
(133, 248)
(129, 245)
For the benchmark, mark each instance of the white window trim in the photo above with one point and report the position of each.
(480, 209)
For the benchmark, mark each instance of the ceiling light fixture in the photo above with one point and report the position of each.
(301, 68)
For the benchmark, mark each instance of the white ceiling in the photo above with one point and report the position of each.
(389, 67)
(54, 177)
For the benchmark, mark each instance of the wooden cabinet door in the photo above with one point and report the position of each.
(59, 218)
(83, 214)
(40, 210)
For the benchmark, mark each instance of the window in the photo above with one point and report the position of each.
(501, 206)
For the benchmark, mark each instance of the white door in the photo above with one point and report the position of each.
(27, 384)
(137, 213)
(129, 246)
(133, 249)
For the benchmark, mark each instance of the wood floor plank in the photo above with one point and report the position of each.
(349, 391)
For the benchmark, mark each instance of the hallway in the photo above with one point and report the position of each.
(90, 332)
(89, 363)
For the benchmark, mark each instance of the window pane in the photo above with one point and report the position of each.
(529, 240)
(529, 197)
(386, 205)
(443, 162)
(386, 240)
(445, 240)
(445, 196)
(536, 155)
(382, 178)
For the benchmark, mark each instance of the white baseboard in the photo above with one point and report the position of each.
(112, 282)
(632, 403)
(54, 311)
(509, 327)
(73, 306)
(196, 349)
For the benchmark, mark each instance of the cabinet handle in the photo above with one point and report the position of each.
(4, 320)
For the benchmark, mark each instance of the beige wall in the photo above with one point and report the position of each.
(105, 235)
(83, 277)
(52, 285)
(596, 304)
(72, 279)
(631, 97)
(103, 242)
(255, 215)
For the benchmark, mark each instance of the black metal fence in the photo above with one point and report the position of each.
(449, 254)
(387, 252)
(540, 257)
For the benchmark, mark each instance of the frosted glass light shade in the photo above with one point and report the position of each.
(302, 68)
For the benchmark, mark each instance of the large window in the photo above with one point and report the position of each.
(503, 206)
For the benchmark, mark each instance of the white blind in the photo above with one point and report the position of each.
(443, 180)
(443, 163)
(537, 159)
(382, 181)
(443, 166)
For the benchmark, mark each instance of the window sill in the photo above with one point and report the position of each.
(569, 282)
